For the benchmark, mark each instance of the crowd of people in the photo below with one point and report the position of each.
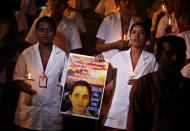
(149, 64)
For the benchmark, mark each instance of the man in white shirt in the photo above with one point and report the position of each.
(67, 35)
(106, 7)
(114, 31)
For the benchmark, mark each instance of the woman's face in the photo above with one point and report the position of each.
(45, 33)
(79, 99)
(138, 37)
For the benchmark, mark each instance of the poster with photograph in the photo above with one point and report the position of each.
(84, 86)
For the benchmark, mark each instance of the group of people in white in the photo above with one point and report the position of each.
(121, 38)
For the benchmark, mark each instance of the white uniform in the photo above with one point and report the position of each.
(117, 115)
(69, 13)
(67, 35)
(76, 18)
(155, 6)
(110, 31)
(163, 24)
(186, 36)
(43, 114)
(154, 18)
(27, 7)
(106, 7)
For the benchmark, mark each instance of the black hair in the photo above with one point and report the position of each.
(46, 19)
(83, 83)
(176, 42)
(145, 27)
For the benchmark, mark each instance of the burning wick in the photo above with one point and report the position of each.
(169, 21)
(29, 76)
(163, 7)
(124, 37)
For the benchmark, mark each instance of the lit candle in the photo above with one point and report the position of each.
(124, 37)
(28, 97)
(163, 7)
(169, 21)
(131, 75)
(29, 76)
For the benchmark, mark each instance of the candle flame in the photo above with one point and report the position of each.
(131, 74)
(124, 37)
(163, 7)
(169, 21)
(29, 76)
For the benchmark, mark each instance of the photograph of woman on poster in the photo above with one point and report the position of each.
(79, 96)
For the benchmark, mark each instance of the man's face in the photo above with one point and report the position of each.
(171, 59)
(125, 6)
(79, 99)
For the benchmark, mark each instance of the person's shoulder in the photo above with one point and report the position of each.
(59, 50)
(112, 16)
(66, 21)
(148, 54)
(29, 50)
(164, 19)
(119, 54)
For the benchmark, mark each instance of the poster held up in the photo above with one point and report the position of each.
(84, 86)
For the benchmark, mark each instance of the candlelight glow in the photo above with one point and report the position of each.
(124, 37)
(163, 7)
(169, 21)
(29, 76)
(131, 74)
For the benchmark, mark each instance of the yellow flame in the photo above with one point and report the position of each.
(163, 7)
(169, 21)
(29, 76)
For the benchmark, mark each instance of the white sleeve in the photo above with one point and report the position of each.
(31, 37)
(19, 71)
(161, 28)
(74, 42)
(114, 61)
(100, 8)
(102, 31)
(79, 21)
